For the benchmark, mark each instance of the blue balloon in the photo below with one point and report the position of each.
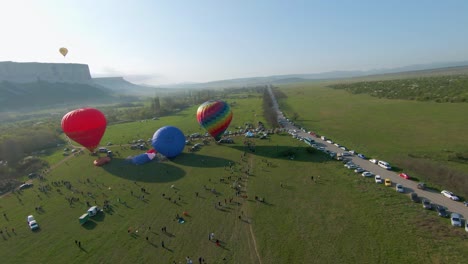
(141, 159)
(169, 141)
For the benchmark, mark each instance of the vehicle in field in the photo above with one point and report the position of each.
(32, 175)
(378, 179)
(450, 195)
(422, 186)
(414, 197)
(384, 164)
(441, 211)
(404, 176)
(399, 188)
(25, 186)
(455, 219)
(388, 182)
(359, 170)
(367, 174)
(94, 210)
(32, 222)
(361, 156)
(426, 204)
(103, 150)
(374, 161)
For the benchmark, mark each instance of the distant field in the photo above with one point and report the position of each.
(341, 218)
(391, 130)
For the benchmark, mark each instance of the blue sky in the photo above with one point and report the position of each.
(178, 41)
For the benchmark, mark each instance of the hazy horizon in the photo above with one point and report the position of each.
(159, 42)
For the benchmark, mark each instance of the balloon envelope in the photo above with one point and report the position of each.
(85, 126)
(215, 116)
(141, 159)
(169, 141)
(63, 51)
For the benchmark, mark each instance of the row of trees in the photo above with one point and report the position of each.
(452, 88)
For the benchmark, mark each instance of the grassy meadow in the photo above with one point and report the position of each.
(392, 130)
(339, 218)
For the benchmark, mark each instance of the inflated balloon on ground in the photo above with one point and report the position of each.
(215, 116)
(169, 141)
(85, 126)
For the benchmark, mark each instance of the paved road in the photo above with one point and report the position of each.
(410, 186)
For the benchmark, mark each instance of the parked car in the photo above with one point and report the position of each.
(404, 176)
(378, 179)
(399, 188)
(384, 165)
(465, 203)
(32, 175)
(374, 161)
(450, 195)
(455, 219)
(359, 170)
(33, 225)
(25, 185)
(441, 211)
(426, 204)
(361, 156)
(414, 197)
(367, 174)
(30, 218)
(422, 186)
(388, 182)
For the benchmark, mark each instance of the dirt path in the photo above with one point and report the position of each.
(252, 235)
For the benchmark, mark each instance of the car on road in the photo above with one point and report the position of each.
(404, 176)
(361, 156)
(450, 195)
(25, 185)
(359, 170)
(414, 197)
(374, 161)
(378, 179)
(455, 219)
(422, 186)
(441, 211)
(384, 164)
(426, 204)
(399, 188)
(367, 174)
(388, 182)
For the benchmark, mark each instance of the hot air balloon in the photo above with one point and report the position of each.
(169, 141)
(63, 51)
(85, 126)
(215, 116)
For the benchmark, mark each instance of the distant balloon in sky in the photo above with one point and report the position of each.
(169, 141)
(63, 51)
(85, 126)
(215, 116)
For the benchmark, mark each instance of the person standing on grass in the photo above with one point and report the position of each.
(162, 244)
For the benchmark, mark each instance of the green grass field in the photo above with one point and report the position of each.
(341, 218)
(391, 130)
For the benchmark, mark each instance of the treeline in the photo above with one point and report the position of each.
(440, 89)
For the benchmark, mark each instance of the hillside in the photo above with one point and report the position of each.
(122, 86)
(28, 96)
(26, 72)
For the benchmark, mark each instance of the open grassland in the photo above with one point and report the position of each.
(340, 218)
(391, 130)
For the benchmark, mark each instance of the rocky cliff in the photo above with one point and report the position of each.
(27, 72)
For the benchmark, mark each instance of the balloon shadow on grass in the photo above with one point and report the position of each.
(153, 171)
(293, 153)
(197, 160)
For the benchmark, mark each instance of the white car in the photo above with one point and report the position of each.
(450, 195)
(367, 174)
(378, 179)
(455, 219)
(384, 164)
(33, 225)
(30, 218)
(399, 188)
(373, 161)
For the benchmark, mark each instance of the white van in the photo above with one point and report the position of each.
(384, 165)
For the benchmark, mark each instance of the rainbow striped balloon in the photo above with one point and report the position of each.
(215, 116)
